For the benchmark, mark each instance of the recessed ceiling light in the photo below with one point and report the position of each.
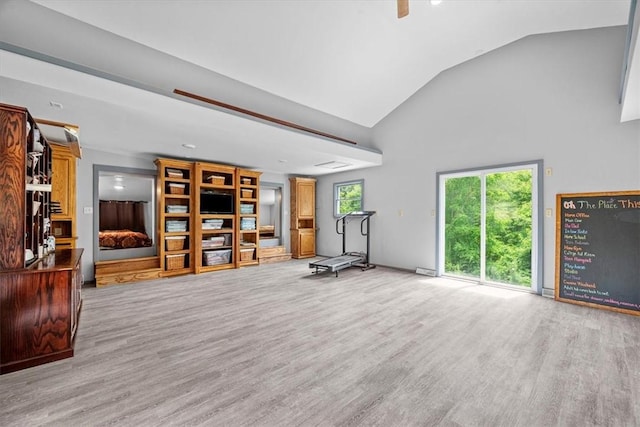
(118, 187)
(283, 160)
(436, 2)
(117, 177)
(189, 146)
(55, 104)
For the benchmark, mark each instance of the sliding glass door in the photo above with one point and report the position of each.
(488, 225)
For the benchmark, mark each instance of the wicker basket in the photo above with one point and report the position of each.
(246, 254)
(176, 188)
(216, 179)
(174, 173)
(175, 243)
(245, 181)
(247, 194)
(175, 262)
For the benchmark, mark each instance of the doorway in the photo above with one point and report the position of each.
(125, 213)
(270, 214)
(488, 225)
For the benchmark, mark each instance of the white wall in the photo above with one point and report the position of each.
(552, 97)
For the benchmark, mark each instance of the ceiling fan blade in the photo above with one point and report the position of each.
(403, 8)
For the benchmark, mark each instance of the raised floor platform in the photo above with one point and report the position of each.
(273, 254)
(127, 271)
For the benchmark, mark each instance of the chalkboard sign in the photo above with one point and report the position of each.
(598, 250)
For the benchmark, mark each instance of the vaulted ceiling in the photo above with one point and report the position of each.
(334, 66)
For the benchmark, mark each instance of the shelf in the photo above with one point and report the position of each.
(177, 180)
(176, 272)
(218, 231)
(176, 196)
(207, 268)
(217, 216)
(217, 187)
(38, 187)
(181, 251)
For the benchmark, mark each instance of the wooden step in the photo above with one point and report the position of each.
(275, 258)
(128, 277)
(274, 254)
(272, 250)
(127, 271)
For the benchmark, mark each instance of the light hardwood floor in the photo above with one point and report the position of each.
(274, 345)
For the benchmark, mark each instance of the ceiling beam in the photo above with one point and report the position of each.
(261, 116)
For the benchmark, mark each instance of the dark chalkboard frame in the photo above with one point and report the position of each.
(560, 236)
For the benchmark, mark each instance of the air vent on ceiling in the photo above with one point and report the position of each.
(333, 165)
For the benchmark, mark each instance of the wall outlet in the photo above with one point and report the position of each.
(548, 212)
(87, 210)
(548, 171)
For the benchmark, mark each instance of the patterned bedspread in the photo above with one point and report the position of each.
(121, 239)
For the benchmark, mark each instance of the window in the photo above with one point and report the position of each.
(348, 197)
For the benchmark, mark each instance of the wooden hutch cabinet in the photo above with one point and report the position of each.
(39, 291)
(39, 311)
(303, 217)
(63, 196)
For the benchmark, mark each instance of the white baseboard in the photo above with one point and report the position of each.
(425, 271)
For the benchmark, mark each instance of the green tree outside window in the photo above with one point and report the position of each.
(348, 197)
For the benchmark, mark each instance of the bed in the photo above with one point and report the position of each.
(123, 239)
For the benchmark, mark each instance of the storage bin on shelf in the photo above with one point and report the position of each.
(217, 257)
(213, 242)
(174, 173)
(246, 254)
(216, 179)
(212, 224)
(245, 181)
(177, 209)
(175, 261)
(176, 226)
(247, 224)
(176, 188)
(246, 194)
(246, 208)
(175, 243)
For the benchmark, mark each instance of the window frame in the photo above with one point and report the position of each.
(336, 193)
(537, 237)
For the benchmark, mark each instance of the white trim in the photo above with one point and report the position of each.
(336, 185)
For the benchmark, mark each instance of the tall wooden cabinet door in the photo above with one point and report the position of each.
(63, 191)
(307, 243)
(63, 183)
(13, 167)
(303, 243)
(306, 199)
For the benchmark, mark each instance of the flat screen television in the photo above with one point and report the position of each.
(212, 202)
